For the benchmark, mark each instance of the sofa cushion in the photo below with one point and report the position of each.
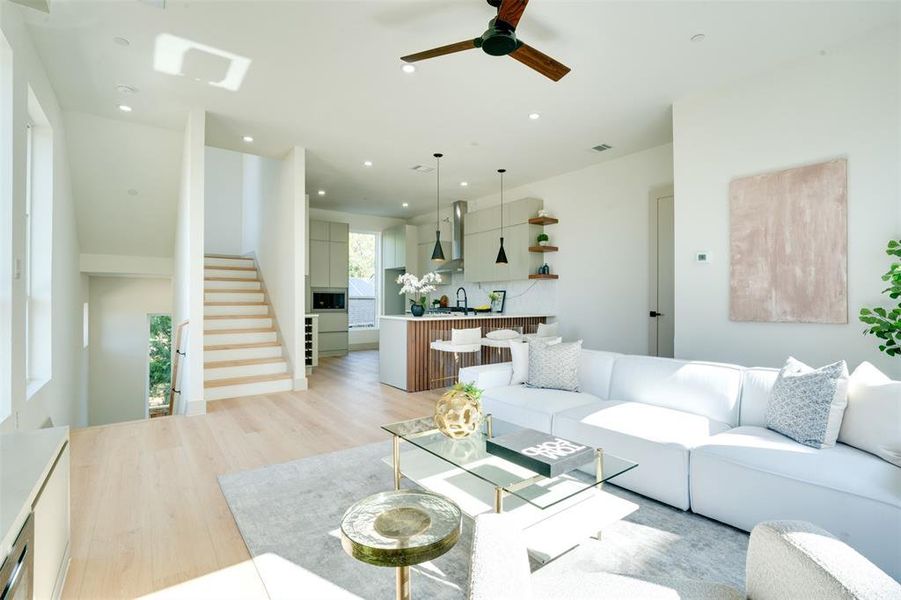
(756, 387)
(873, 418)
(707, 389)
(752, 474)
(531, 407)
(657, 438)
(595, 372)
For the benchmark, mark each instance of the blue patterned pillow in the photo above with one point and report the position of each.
(807, 404)
(554, 366)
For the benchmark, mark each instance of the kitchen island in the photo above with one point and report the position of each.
(404, 342)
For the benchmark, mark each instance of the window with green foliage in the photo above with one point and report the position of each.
(362, 285)
(160, 362)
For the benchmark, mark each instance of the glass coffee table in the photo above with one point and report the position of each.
(555, 513)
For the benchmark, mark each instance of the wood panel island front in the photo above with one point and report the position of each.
(404, 342)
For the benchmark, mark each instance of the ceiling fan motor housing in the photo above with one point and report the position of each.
(499, 42)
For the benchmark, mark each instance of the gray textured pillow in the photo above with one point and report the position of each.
(807, 404)
(554, 366)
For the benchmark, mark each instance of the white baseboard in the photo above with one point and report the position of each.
(301, 384)
(365, 346)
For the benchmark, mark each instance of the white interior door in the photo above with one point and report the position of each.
(661, 329)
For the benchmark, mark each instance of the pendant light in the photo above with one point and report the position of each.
(501, 255)
(438, 253)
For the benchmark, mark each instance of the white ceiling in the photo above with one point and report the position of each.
(326, 75)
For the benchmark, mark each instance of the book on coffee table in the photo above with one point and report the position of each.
(547, 455)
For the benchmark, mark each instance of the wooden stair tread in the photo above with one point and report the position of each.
(235, 256)
(233, 331)
(243, 380)
(231, 279)
(221, 364)
(232, 291)
(226, 303)
(213, 347)
(226, 317)
(228, 268)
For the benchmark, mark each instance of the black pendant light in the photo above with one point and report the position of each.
(501, 255)
(438, 253)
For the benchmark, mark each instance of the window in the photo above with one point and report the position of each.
(159, 369)
(36, 264)
(362, 284)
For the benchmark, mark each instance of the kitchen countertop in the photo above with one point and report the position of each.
(25, 461)
(459, 316)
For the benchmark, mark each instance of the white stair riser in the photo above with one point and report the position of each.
(218, 311)
(248, 389)
(213, 324)
(242, 353)
(234, 284)
(233, 296)
(211, 261)
(218, 339)
(230, 273)
(245, 371)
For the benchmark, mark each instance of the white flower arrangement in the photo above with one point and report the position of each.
(418, 288)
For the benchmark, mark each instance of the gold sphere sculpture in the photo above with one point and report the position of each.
(458, 413)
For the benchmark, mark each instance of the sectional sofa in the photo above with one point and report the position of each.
(698, 432)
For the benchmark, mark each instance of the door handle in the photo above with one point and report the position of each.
(654, 313)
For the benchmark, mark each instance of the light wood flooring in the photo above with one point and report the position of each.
(147, 512)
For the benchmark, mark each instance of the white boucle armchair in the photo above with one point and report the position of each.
(787, 560)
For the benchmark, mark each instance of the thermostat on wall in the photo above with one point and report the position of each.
(702, 257)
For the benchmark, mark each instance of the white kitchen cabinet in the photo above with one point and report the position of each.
(339, 232)
(319, 230)
(319, 263)
(51, 531)
(338, 264)
(482, 242)
(330, 322)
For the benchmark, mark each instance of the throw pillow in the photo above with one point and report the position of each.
(468, 337)
(807, 404)
(519, 354)
(503, 334)
(554, 366)
(872, 421)
(547, 330)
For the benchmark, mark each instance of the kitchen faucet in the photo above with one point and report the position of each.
(465, 301)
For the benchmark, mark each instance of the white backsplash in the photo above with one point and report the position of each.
(532, 297)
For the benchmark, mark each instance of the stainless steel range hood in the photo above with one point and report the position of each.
(455, 262)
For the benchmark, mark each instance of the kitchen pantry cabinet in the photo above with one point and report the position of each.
(329, 261)
(397, 244)
(482, 241)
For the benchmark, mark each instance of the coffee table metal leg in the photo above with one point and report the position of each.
(599, 474)
(498, 499)
(403, 583)
(396, 456)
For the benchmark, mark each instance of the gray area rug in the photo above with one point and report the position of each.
(294, 510)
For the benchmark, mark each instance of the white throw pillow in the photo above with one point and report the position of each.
(872, 421)
(460, 337)
(546, 330)
(519, 352)
(502, 334)
(807, 404)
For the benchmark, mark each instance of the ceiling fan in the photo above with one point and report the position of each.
(500, 40)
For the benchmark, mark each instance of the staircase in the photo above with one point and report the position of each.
(241, 352)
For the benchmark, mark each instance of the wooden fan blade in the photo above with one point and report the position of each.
(540, 62)
(510, 11)
(440, 51)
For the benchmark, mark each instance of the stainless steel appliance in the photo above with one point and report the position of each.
(455, 261)
(17, 571)
(334, 299)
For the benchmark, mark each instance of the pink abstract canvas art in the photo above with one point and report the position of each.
(789, 245)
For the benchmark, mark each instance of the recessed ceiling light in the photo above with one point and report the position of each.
(464, 183)
(121, 41)
(367, 163)
(408, 68)
(534, 116)
(124, 108)
(126, 89)
(132, 192)
(405, 204)
(321, 192)
(247, 138)
(698, 37)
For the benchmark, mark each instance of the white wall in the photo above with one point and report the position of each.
(61, 399)
(274, 226)
(224, 201)
(119, 264)
(603, 235)
(843, 104)
(118, 344)
(187, 282)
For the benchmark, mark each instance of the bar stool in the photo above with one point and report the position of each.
(496, 344)
(451, 351)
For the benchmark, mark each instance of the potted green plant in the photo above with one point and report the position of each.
(885, 323)
(543, 239)
(419, 289)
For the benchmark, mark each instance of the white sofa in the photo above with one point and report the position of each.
(697, 432)
(787, 560)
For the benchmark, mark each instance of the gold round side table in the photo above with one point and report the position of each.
(399, 529)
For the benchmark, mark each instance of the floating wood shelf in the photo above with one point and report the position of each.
(543, 221)
(543, 248)
(544, 276)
